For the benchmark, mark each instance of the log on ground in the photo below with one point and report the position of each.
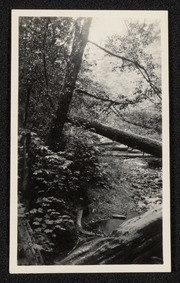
(136, 241)
(142, 143)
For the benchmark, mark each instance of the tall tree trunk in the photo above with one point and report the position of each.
(132, 140)
(136, 241)
(73, 65)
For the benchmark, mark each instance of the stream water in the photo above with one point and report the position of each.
(107, 226)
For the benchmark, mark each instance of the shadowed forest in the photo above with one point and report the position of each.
(89, 141)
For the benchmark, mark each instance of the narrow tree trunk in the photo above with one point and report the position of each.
(136, 241)
(132, 140)
(26, 108)
(26, 174)
(73, 65)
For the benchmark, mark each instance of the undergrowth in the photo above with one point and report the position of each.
(57, 187)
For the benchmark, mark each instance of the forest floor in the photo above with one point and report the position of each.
(134, 186)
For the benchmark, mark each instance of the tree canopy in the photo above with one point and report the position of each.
(119, 78)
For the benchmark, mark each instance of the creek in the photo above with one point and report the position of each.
(107, 226)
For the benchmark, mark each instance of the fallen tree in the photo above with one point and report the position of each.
(136, 241)
(132, 140)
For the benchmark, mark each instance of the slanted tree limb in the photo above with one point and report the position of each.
(81, 91)
(73, 65)
(113, 104)
(123, 104)
(136, 241)
(141, 68)
(132, 140)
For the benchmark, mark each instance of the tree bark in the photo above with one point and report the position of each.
(26, 170)
(136, 241)
(132, 140)
(73, 65)
(28, 254)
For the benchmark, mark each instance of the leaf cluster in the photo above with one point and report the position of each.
(57, 186)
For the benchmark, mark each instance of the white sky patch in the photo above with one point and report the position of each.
(101, 28)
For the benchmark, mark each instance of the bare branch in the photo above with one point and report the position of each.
(156, 90)
(98, 97)
(111, 53)
(114, 102)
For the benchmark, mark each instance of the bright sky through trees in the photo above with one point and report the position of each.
(100, 30)
(103, 27)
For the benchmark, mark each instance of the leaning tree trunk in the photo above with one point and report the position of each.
(136, 241)
(73, 65)
(133, 140)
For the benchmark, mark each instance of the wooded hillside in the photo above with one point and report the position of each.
(78, 92)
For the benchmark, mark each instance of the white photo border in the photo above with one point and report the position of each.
(120, 268)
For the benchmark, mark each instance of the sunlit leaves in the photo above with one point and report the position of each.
(139, 45)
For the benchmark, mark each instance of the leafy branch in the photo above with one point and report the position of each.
(141, 68)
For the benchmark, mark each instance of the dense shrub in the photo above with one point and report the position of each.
(148, 119)
(58, 186)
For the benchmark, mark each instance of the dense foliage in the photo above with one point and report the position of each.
(58, 187)
(44, 48)
(45, 45)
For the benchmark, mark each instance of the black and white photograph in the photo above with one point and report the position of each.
(90, 189)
